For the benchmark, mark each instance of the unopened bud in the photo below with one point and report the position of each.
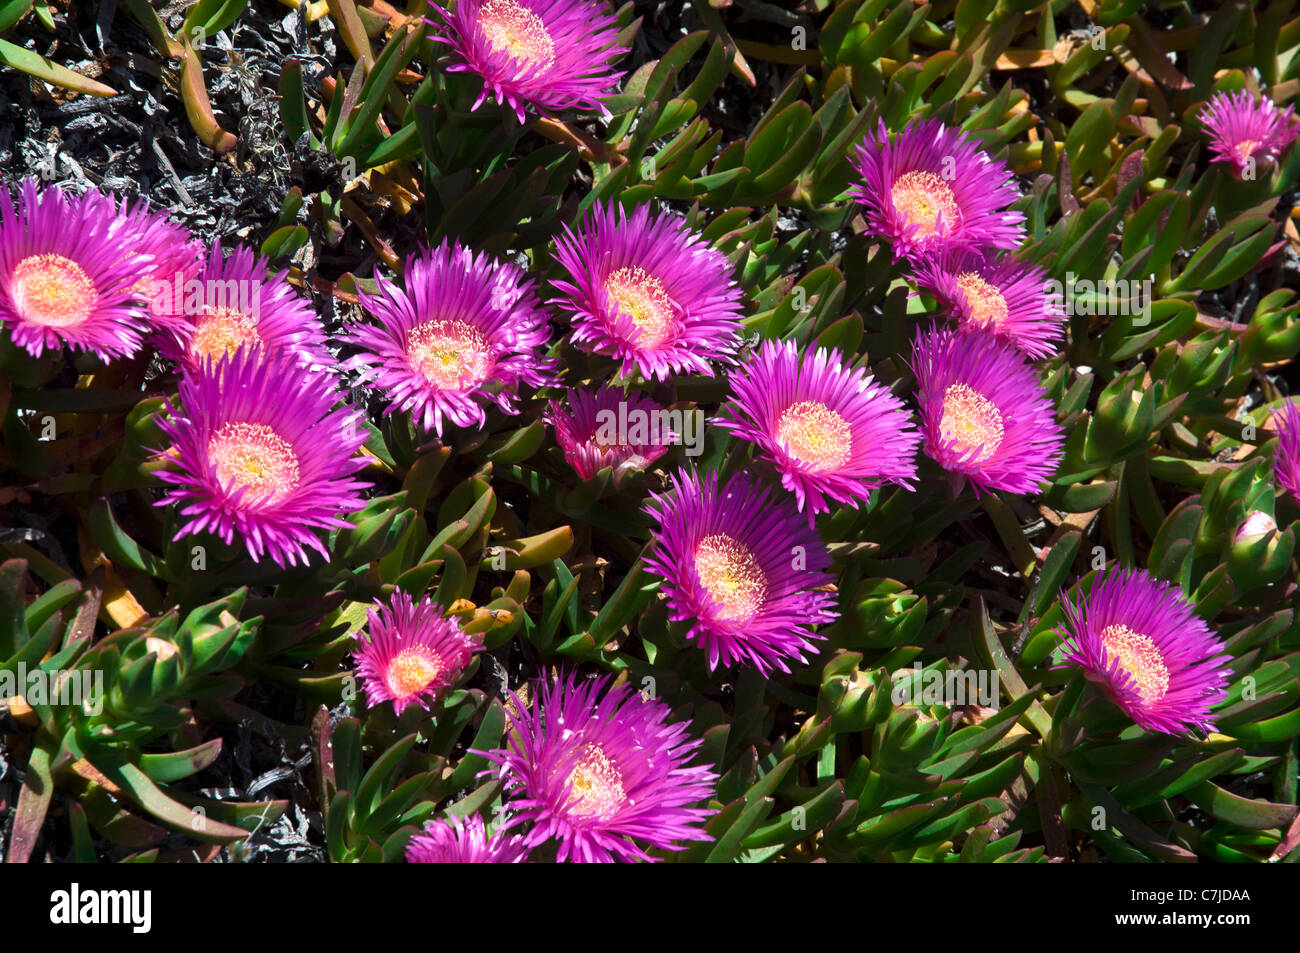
(1255, 526)
(160, 647)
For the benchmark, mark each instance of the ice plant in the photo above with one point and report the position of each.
(832, 431)
(984, 416)
(463, 329)
(1246, 131)
(742, 567)
(65, 277)
(1286, 455)
(593, 430)
(411, 653)
(259, 452)
(1143, 642)
(233, 303)
(552, 55)
(932, 189)
(998, 295)
(644, 289)
(452, 840)
(599, 770)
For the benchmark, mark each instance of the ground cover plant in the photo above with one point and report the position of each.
(730, 431)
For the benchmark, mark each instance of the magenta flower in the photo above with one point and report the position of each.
(606, 428)
(740, 565)
(65, 276)
(232, 303)
(173, 259)
(464, 329)
(599, 770)
(552, 55)
(933, 189)
(1002, 296)
(648, 292)
(259, 450)
(984, 415)
(456, 841)
(1143, 642)
(1285, 420)
(1247, 130)
(411, 653)
(833, 432)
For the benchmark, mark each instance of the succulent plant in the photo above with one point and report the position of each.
(985, 551)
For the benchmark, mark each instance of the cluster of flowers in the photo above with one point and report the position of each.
(725, 550)
(588, 765)
(943, 205)
(262, 449)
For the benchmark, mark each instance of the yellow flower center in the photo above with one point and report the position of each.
(641, 298)
(732, 576)
(220, 332)
(53, 291)
(450, 355)
(596, 785)
(1137, 657)
(984, 303)
(920, 197)
(1246, 148)
(513, 29)
(815, 435)
(970, 421)
(412, 669)
(254, 457)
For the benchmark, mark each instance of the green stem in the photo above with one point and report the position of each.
(1013, 537)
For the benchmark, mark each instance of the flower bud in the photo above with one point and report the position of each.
(1255, 526)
